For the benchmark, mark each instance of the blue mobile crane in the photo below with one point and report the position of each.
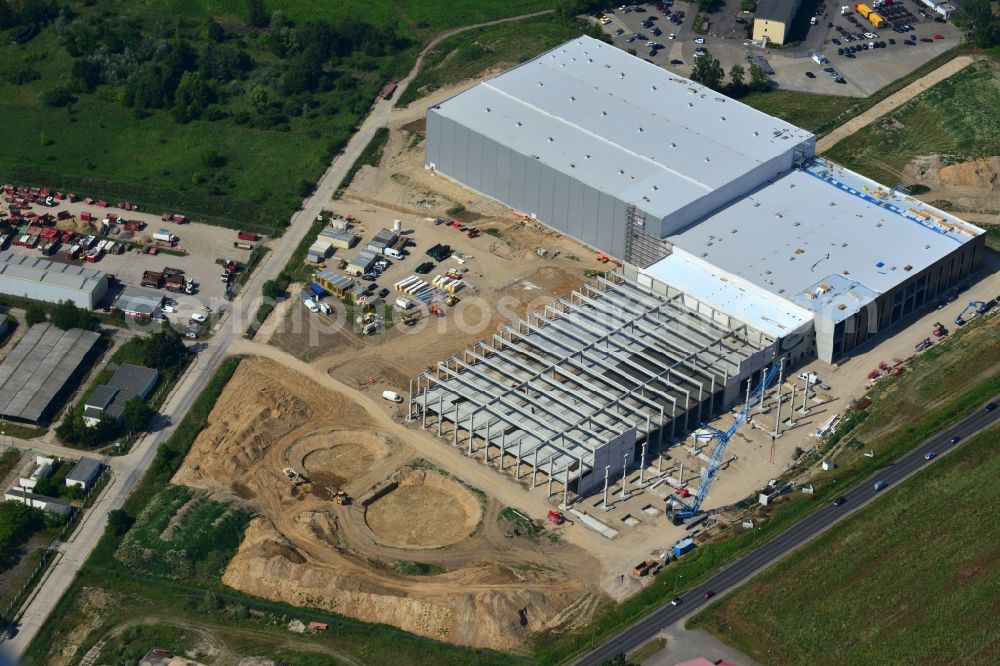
(721, 438)
(979, 306)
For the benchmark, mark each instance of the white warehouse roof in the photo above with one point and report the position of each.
(624, 126)
(36, 269)
(824, 238)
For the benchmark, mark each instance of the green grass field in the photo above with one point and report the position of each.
(472, 53)
(956, 119)
(807, 110)
(943, 385)
(269, 151)
(181, 534)
(911, 579)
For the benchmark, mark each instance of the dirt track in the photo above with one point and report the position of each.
(895, 101)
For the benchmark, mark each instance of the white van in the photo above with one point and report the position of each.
(393, 252)
(392, 396)
(311, 304)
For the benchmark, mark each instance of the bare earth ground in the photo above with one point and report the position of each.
(307, 550)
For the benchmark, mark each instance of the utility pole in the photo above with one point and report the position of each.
(805, 394)
(791, 413)
(624, 478)
(607, 470)
(777, 419)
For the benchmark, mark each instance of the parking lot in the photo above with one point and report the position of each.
(863, 74)
(203, 244)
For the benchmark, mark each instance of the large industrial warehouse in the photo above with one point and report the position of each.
(741, 249)
(696, 191)
(50, 281)
(40, 371)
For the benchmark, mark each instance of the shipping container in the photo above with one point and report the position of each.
(683, 547)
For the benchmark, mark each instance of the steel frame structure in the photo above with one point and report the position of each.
(550, 389)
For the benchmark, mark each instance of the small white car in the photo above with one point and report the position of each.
(169, 308)
(671, 36)
(198, 317)
(699, 40)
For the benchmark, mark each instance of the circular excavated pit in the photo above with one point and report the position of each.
(425, 510)
(339, 456)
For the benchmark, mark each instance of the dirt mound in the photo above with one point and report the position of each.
(981, 173)
(339, 456)
(458, 607)
(307, 550)
(262, 404)
(424, 509)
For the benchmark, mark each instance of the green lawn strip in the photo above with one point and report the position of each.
(959, 400)
(472, 52)
(918, 563)
(954, 119)
(807, 110)
(370, 156)
(228, 614)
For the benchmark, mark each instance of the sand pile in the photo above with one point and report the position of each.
(981, 173)
(459, 607)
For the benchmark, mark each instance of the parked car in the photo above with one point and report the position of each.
(198, 317)
(810, 75)
(191, 334)
(699, 40)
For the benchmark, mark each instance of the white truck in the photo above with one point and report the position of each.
(164, 235)
(392, 396)
(326, 309)
(311, 304)
(404, 303)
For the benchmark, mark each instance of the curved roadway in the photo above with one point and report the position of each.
(772, 551)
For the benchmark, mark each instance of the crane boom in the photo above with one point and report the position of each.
(721, 439)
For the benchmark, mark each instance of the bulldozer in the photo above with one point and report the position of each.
(296, 478)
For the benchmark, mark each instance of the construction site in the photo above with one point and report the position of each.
(563, 417)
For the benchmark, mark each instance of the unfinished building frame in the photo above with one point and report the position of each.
(589, 385)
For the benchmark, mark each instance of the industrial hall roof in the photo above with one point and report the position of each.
(37, 369)
(36, 269)
(781, 11)
(623, 126)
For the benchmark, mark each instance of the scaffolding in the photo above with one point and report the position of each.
(642, 248)
(610, 368)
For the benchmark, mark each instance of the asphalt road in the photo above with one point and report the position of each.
(772, 551)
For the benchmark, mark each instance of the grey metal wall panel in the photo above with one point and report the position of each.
(590, 217)
(545, 185)
(517, 183)
(503, 173)
(532, 195)
(460, 151)
(474, 164)
(560, 200)
(574, 209)
(490, 166)
(433, 137)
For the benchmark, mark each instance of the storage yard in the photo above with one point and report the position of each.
(106, 246)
